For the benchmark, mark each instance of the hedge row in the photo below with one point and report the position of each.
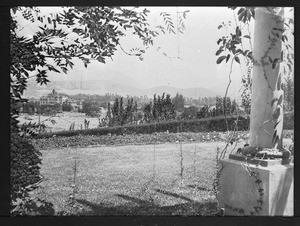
(196, 125)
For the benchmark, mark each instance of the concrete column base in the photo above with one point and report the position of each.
(241, 194)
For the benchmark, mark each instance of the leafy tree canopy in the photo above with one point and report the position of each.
(84, 33)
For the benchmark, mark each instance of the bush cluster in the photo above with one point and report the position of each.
(25, 160)
(195, 125)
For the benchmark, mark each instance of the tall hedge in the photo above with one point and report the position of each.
(196, 125)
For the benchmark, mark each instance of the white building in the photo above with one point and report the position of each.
(51, 99)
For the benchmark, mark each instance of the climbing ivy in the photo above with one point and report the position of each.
(232, 46)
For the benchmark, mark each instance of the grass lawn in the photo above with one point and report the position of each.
(124, 178)
(132, 179)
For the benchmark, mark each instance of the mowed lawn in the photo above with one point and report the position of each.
(133, 179)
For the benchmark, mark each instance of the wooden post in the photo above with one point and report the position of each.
(266, 118)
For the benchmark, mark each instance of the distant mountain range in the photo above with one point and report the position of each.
(105, 86)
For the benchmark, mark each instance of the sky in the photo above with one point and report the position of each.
(196, 48)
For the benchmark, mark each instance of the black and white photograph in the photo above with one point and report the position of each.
(151, 111)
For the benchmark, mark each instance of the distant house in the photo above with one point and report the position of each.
(64, 97)
(51, 99)
(52, 102)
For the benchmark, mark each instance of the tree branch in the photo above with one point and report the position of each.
(227, 88)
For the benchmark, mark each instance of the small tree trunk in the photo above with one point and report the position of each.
(266, 118)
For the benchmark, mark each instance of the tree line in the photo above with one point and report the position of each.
(133, 110)
(162, 109)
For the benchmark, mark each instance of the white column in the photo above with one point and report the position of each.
(266, 79)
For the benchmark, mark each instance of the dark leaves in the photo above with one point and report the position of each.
(51, 68)
(227, 58)
(279, 82)
(241, 14)
(237, 59)
(290, 67)
(65, 70)
(23, 175)
(276, 124)
(41, 77)
(238, 32)
(275, 62)
(240, 11)
(218, 52)
(168, 22)
(284, 38)
(275, 139)
(233, 42)
(245, 14)
(220, 59)
(276, 114)
(239, 51)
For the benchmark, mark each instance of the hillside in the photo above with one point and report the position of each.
(191, 93)
(105, 86)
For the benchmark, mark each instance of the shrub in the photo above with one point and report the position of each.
(24, 173)
(91, 108)
(67, 107)
(24, 164)
(195, 125)
(25, 177)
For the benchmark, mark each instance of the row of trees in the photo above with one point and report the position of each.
(178, 102)
(109, 97)
(119, 115)
(93, 104)
(201, 101)
(219, 108)
(33, 107)
(30, 107)
(161, 109)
